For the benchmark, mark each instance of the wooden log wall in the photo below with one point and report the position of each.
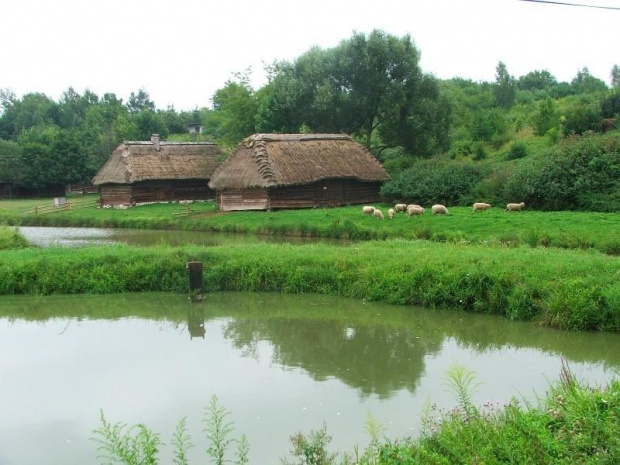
(115, 194)
(243, 199)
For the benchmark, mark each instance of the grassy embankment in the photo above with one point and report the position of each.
(10, 239)
(564, 288)
(494, 227)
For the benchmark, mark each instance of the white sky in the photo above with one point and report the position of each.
(181, 51)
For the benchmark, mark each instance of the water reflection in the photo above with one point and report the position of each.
(279, 363)
(196, 321)
(44, 236)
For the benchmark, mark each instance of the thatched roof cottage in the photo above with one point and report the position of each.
(142, 171)
(270, 171)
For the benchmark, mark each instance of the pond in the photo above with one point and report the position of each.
(44, 236)
(279, 364)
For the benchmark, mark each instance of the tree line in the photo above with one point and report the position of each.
(370, 86)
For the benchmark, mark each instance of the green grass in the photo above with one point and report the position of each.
(495, 227)
(562, 288)
(11, 239)
(574, 424)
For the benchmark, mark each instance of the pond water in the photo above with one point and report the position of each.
(43, 236)
(280, 364)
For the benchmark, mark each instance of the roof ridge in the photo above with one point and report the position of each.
(262, 160)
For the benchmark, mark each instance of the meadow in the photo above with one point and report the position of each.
(494, 227)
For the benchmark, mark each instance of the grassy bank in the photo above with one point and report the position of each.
(571, 230)
(563, 288)
(11, 239)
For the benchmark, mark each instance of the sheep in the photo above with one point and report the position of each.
(439, 210)
(413, 205)
(367, 210)
(415, 210)
(400, 207)
(377, 214)
(391, 213)
(515, 207)
(481, 206)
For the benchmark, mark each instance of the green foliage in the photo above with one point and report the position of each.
(505, 87)
(517, 150)
(581, 118)
(585, 83)
(428, 182)
(181, 442)
(581, 173)
(11, 239)
(312, 449)
(130, 446)
(610, 105)
(235, 110)
(545, 117)
(537, 81)
(218, 430)
(366, 85)
(488, 124)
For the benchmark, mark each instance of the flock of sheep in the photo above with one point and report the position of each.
(414, 210)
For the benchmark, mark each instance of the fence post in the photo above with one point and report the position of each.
(196, 281)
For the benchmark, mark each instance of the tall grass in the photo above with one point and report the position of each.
(566, 289)
(12, 239)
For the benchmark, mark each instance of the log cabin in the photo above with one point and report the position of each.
(284, 171)
(157, 171)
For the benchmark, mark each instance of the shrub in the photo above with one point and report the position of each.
(517, 150)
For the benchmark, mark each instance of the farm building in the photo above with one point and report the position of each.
(157, 171)
(271, 171)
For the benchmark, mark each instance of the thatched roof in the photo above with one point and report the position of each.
(141, 161)
(267, 160)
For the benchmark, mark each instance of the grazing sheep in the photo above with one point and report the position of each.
(481, 206)
(414, 205)
(515, 207)
(377, 214)
(415, 210)
(439, 210)
(400, 207)
(391, 213)
(367, 210)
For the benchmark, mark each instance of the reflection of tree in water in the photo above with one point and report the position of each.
(375, 359)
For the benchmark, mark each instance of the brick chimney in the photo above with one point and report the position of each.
(155, 141)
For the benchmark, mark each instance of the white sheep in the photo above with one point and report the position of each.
(377, 214)
(414, 205)
(515, 207)
(367, 210)
(400, 207)
(481, 206)
(439, 210)
(391, 213)
(415, 210)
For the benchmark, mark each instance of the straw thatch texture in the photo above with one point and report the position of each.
(133, 162)
(270, 160)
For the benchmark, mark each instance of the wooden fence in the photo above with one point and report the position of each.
(79, 204)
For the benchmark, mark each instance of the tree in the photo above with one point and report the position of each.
(615, 77)
(505, 87)
(585, 83)
(537, 80)
(545, 117)
(369, 85)
(11, 165)
(237, 107)
(140, 102)
(52, 156)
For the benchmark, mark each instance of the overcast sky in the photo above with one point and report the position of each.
(181, 51)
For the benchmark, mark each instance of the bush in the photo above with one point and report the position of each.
(517, 150)
(433, 181)
(581, 173)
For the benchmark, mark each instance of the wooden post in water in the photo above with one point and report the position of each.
(196, 281)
